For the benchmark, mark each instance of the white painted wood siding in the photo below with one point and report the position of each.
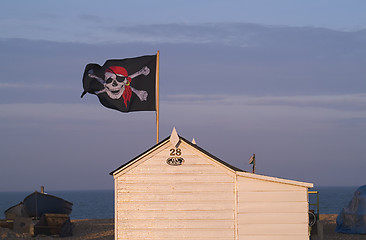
(271, 210)
(193, 201)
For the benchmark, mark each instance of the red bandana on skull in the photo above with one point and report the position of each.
(122, 72)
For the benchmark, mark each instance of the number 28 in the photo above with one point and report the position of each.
(175, 152)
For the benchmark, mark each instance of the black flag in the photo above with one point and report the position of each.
(125, 85)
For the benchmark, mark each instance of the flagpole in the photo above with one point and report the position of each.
(157, 97)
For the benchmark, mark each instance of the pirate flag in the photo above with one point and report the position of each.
(125, 85)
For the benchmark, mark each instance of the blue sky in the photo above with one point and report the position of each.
(282, 79)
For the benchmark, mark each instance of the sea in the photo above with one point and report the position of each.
(99, 204)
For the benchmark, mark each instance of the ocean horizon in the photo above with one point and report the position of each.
(99, 204)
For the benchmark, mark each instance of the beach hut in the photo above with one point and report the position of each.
(177, 190)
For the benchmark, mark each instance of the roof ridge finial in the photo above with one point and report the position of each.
(174, 138)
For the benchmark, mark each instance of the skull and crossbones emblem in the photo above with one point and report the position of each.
(117, 83)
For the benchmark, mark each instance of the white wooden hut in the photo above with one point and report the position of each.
(177, 190)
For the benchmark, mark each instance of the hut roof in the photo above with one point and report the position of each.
(174, 138)
(183, 140)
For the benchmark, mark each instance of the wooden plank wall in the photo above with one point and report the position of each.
(191, 201)
(271, 211)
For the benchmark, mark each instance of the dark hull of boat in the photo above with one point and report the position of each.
(36, 204)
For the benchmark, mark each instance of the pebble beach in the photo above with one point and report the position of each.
(328, 221)
(103, 229)
(87, 229)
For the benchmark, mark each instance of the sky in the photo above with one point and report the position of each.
(282, 79)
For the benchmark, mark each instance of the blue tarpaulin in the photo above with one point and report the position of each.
(352, 218)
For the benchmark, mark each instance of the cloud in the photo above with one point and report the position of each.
(90, 18)
(289, 61)
(53, 112)
(98, 30)
(65, 115)
(345, 101)
(28, 86)
(229, 110)
(222, 124)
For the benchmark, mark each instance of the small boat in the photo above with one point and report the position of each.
(17, 210)
(38, 203)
